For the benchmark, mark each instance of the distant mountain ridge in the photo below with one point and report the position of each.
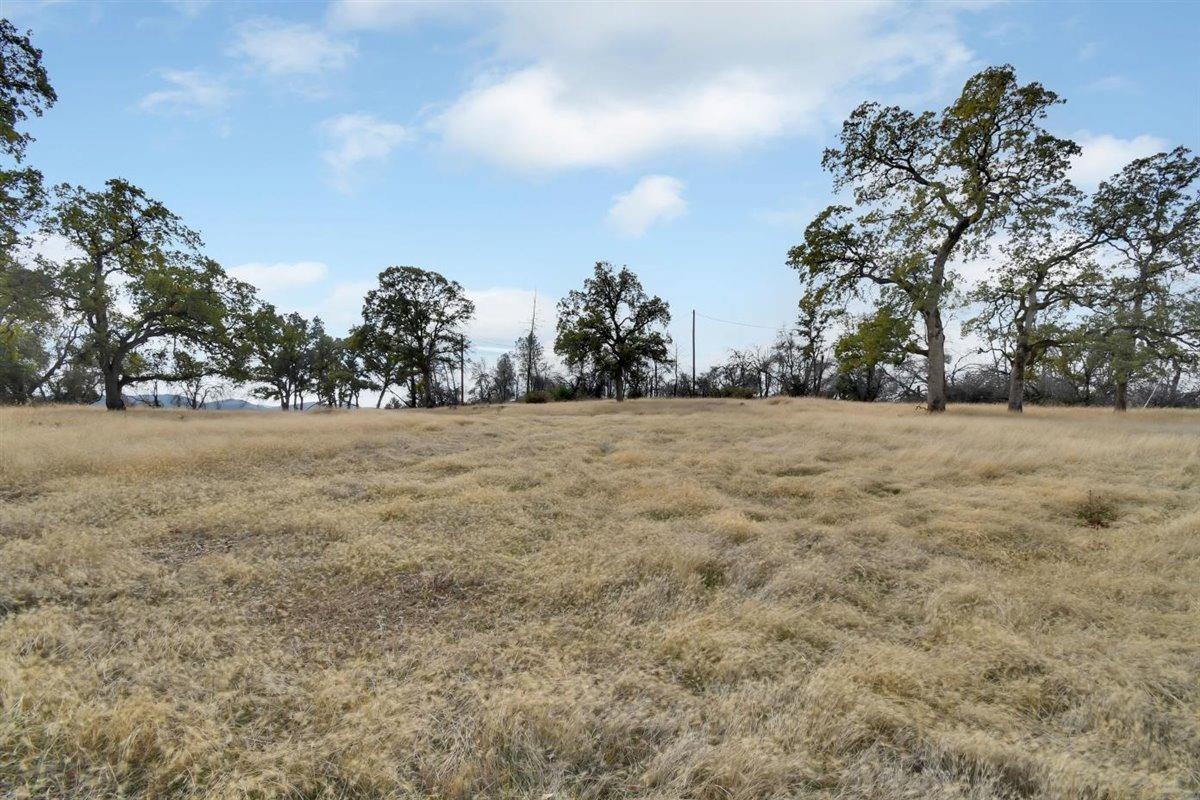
(180, 401)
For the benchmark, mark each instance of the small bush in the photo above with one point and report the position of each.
(537, 396)
(1096, 511)
(712, 574)
(562, 393)
(738, 392)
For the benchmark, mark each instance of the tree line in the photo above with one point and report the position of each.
(1091, 297)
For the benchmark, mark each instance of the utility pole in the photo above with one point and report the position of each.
(529, 349)
(693, 352)
(675, 385)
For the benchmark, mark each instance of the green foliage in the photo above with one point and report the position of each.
(613, 323)
(737, 392)
(280, 355)
(930, 186)
(537, 396)
(504, 378)
(415, 319)
(1154, 208)
(141, 279)
(878, 340)
(24, 88)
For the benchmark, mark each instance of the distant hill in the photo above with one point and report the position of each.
(179, 401)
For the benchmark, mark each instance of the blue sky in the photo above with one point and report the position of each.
(510, 146)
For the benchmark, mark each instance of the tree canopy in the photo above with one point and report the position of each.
(420, 316)
(140, 278)
(930, 187)
(614, 322)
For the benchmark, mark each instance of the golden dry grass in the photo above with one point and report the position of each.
(702, 599)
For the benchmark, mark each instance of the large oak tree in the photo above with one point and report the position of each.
(1048, 265)
(930, 188)
(418, 316)
(613, 322)
(139, 278)
(1152, 304)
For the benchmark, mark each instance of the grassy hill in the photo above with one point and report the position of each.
(697, 599)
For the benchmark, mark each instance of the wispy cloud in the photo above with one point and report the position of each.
(385, 14)
(298, 54)
(358, 139)
(1113, 83)
(280, 276)
(188, 92)
(190, 9)
(655, 198)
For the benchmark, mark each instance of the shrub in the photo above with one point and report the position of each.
(537, 396)
(564, 393)
(1096, 510)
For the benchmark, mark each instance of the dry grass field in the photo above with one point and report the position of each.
(706, 599)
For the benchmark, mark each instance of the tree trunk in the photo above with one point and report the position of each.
(112, 390)
(1173, 395)
(1124, 364)
(1016, 381)
(935, 387)
(427, 389)
(1022, 350)
(619, 386)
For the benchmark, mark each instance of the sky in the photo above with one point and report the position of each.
(510, 146)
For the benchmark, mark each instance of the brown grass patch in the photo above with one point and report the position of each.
(699, 599)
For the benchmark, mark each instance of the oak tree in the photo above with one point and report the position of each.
(419, 315)
(613, 322)
(139, 278)
(1151, 299)
(930, 188)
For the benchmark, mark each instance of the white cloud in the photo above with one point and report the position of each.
(597, 84)
(1104, 155)
(358, 139)
(189, 92)
(1113, 83)
(375, 14)
(341, 308)
(280, 277)
(529, 119)
(653, 199)
(283, 49)
(503, 314)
